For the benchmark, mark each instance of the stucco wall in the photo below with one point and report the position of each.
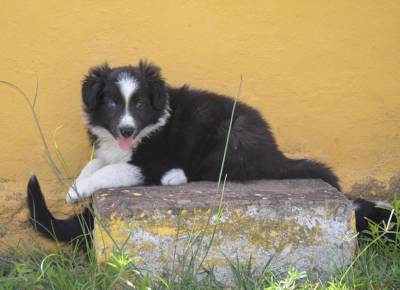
(325, 75)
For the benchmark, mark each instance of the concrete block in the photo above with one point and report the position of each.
(305, 224)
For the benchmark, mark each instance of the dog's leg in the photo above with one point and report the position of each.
(114, 175)
(91, 167)
(87, 171)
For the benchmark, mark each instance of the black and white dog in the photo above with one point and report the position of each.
(146, 132)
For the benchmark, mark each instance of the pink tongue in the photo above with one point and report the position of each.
(125, 143)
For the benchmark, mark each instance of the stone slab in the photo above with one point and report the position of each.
(305, 224)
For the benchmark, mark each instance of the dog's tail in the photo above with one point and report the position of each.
(72, 229)
(304, 168)
(367, 211)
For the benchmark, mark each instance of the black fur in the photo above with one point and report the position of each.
(367, 211)
(193, 139)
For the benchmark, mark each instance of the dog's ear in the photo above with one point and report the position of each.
(93, 84)
(153, 78)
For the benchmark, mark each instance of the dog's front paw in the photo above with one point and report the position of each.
(80, 190)
(174, 176)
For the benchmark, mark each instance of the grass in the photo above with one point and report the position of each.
(377, 265)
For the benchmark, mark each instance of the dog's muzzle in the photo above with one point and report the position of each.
(126, 131)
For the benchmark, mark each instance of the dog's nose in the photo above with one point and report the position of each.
(126, 131)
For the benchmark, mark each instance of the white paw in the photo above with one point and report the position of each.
(174, 176)
(90, 168)
(80, 190)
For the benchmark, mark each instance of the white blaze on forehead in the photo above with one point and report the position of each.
(127, 85)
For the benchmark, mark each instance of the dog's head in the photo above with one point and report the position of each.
(128, 103)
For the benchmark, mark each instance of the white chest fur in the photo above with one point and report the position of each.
(108, 149)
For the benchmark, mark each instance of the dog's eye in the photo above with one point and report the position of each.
(110, 103)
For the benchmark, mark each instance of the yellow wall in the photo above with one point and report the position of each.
(325, 74)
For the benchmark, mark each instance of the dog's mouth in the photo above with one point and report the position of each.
(126, 143)
(126, 137)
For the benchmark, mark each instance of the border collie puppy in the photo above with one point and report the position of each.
(146, 132)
